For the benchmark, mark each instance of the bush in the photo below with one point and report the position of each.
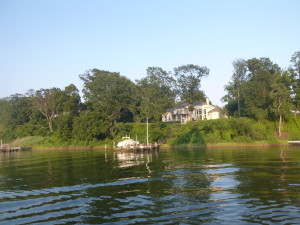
(33, 141)
(221, 130)
(189, 135)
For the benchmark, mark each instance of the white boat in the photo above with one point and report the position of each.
(127, 142)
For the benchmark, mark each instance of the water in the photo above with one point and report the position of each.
(173, 186)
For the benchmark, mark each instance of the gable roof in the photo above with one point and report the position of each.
(217, 109)
(182, 106)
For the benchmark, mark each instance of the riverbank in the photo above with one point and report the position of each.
(167, 146)
(240, 132)
(230, 144)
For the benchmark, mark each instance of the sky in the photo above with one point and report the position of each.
(49, 43)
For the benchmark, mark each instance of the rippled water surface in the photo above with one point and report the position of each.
(172, 186)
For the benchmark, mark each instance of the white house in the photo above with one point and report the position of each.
(201, 111)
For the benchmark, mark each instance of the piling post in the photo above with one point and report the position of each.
(147, 133)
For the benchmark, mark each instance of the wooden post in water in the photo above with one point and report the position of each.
(147, 133)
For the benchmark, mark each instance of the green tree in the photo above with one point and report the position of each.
(63, 128)
(47, 102)
(280, 96)
(6, 116)
(234, 87)
(70, 100)
(232, 106)
(258, 86)
(295, 70)
(189, 82)
(17, 109)
(157, 91)
(109, 93)
(90, 127)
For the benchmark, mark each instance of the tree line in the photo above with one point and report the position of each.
(260, 89)
(108, 99)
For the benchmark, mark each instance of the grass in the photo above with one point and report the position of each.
(31, 141)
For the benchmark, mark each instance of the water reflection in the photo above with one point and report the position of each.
(131, 158)
(174, 186)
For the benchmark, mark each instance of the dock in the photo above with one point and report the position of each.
(129, 144)
(294, 142)
(149, 147)
(8, 148)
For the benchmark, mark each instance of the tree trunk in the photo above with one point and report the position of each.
(239, 108)
(280, 125)
(296, 111)
(50, 124)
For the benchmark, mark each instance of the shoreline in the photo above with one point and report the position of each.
(218, 145)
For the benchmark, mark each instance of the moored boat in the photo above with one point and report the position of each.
(127, 143)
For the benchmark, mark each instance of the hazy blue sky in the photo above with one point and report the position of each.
(49, 43)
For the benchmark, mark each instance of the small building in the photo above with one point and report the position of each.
(201, 111)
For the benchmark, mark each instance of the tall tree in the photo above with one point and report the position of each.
(238, 77)
(295, 70)
(296, 61)
(234, 87)
(256, 90)
(46, 101)
(189, 82)
(157, 92)
(71, 100)
(109, 92)
(6, 112)
(90, 127)
(280, 96)
(16, 109)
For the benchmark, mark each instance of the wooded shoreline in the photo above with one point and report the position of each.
(231, 132)
(164, 147)
(262, 104)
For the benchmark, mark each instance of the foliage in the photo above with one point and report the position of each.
(186, 135)
(89, 128)
(260, 89)
(260, 98)
(243, 130)
(157, 131)
(47, 102)
(295, 71)
(188, 81)
(64, 127)
(33, 141)
(52, 103)
(108, 93)
(157, 92)
(234, 87)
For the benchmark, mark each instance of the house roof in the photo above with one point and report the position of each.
(184, 106)
(215, 110)
(199, 103)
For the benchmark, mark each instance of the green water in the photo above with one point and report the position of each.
(172, 186)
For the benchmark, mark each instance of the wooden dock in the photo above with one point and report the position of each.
(294, 142)
(8, 148)
(141, 147)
